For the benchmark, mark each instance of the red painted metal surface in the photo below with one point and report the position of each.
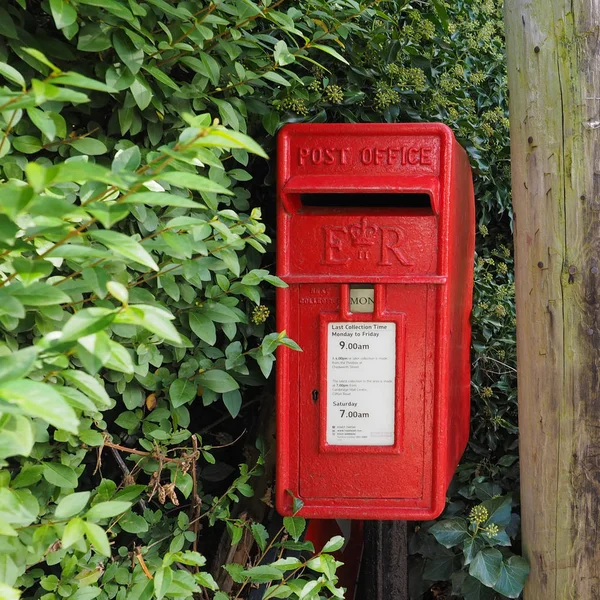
(320, 531)
(390, 205)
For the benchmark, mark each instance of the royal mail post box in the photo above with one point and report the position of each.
(376, 241)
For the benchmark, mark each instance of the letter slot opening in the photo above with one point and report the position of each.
(367, 200)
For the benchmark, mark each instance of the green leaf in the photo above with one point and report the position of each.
(93, 38)
(276, 591)
(86, 322)
(105, 510)
(486, 566)
(282, 55)
(331, 52)
(132, 523)
(161, 199)
(71, 505)
(62, 13)
(125, 246)
(37, 294)
(181, 392)
(162, 581)
(60, 475)
(471, 546)
(513, 576)
(131, 55)
(263, 574)
(89, 146)
(41, 57)
(334, 544)
(441, 12)
(225, 138)
(18, 364)
(288, 564)
(81, 81)
(451, 532)
(473, 589)
(98, 538)
(154, 319)
(142, 93)
(206, 580)
(294, 526)
(89, 386)
(203, 327)
(84, 171)
(233, 402)
(43, 122)
(73, 532)
(11, 74)
(191, 181)
(161, 77)
(40, 400)
(499, 510)
(218, 381)
(265, 362)
(118, 290)
(260, 534)
(27, 144)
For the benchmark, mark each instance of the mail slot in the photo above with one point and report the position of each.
(375, 238)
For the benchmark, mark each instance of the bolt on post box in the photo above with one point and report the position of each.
(375, 238)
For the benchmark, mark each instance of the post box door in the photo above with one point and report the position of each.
(396, 470)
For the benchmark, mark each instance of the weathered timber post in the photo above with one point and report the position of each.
(554, 80)
(384, 568)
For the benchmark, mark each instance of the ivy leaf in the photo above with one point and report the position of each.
(486, 566)
(294, 526)
(513, 576)
(451, 532)
(499, 510)
(218, 381)
(471, 546)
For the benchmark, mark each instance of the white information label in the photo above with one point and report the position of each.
(361, 383)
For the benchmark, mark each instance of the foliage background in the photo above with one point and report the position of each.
(130, 222)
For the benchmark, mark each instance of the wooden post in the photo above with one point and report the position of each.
(554, 80)
(384, 570)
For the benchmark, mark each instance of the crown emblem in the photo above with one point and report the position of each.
(363, 234)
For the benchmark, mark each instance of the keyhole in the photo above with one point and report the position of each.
(315, 395)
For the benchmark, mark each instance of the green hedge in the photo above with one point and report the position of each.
(135, 296)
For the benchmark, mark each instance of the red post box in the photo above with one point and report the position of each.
(376, 240)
